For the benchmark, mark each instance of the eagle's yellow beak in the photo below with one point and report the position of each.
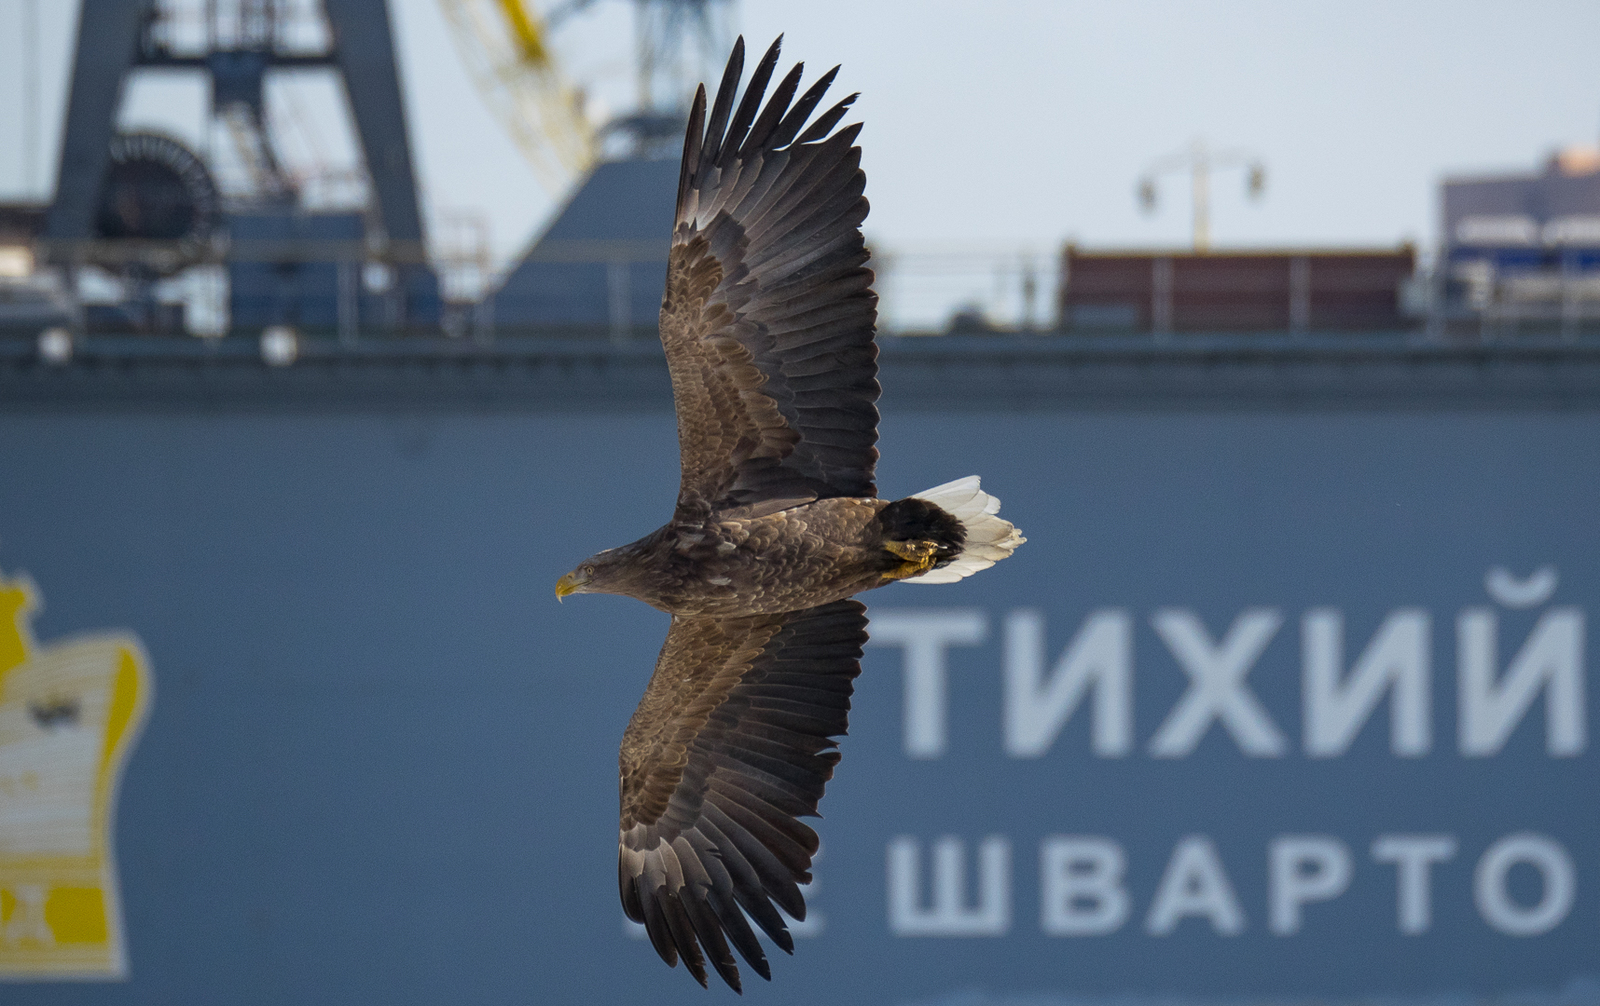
(569, 584)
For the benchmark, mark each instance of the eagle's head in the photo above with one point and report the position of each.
(610, 572)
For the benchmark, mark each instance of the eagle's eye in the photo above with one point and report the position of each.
(588, 569)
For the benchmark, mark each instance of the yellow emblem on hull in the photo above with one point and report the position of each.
(69, 715)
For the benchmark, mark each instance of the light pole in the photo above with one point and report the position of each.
(1200, 161)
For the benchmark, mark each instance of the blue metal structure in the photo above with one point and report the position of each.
(599, 268)
(282, 260)
(1287, 698)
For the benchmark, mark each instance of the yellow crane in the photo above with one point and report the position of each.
(505, 46)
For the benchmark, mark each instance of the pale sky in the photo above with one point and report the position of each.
(1011, 126)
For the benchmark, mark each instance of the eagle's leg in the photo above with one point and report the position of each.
(919, 557)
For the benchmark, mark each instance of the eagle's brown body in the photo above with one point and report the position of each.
(767, 323)
(725, 565)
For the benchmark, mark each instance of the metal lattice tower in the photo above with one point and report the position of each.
(243, 41)
(275, 248)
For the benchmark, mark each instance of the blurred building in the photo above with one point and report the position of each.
(30, 300)
(1523, 250)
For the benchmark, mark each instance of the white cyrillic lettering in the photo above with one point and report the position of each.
(1100, 657)
(1216, 684)
(1413, 856)
(1080, 886)
(1195, 884)
(926, 635)
(949, 915)
(1397, 658)
(1302, 869)
(1552, 658)
(1560, 882)
(1505, 588)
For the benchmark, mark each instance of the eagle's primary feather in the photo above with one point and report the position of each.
(769, 310)
(768, 324)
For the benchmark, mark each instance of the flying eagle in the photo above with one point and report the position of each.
(767, 324)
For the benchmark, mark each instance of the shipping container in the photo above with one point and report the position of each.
(1267, 291)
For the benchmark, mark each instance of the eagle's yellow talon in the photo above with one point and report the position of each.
(919, 555)
(913, 551)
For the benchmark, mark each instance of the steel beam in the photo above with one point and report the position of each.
(365, 49)
(108, 39)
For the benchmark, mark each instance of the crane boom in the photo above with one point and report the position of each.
(504, 44)
(527, 31)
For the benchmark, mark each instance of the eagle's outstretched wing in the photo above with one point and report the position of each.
(768, 315)
(730, 746)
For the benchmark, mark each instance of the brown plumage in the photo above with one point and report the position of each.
(767, 323)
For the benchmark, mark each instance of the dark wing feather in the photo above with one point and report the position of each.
(730, 746)
(769, 312)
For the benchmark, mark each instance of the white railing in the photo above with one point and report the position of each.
(965, 288)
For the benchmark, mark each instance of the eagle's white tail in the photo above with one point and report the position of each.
(989, 539)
